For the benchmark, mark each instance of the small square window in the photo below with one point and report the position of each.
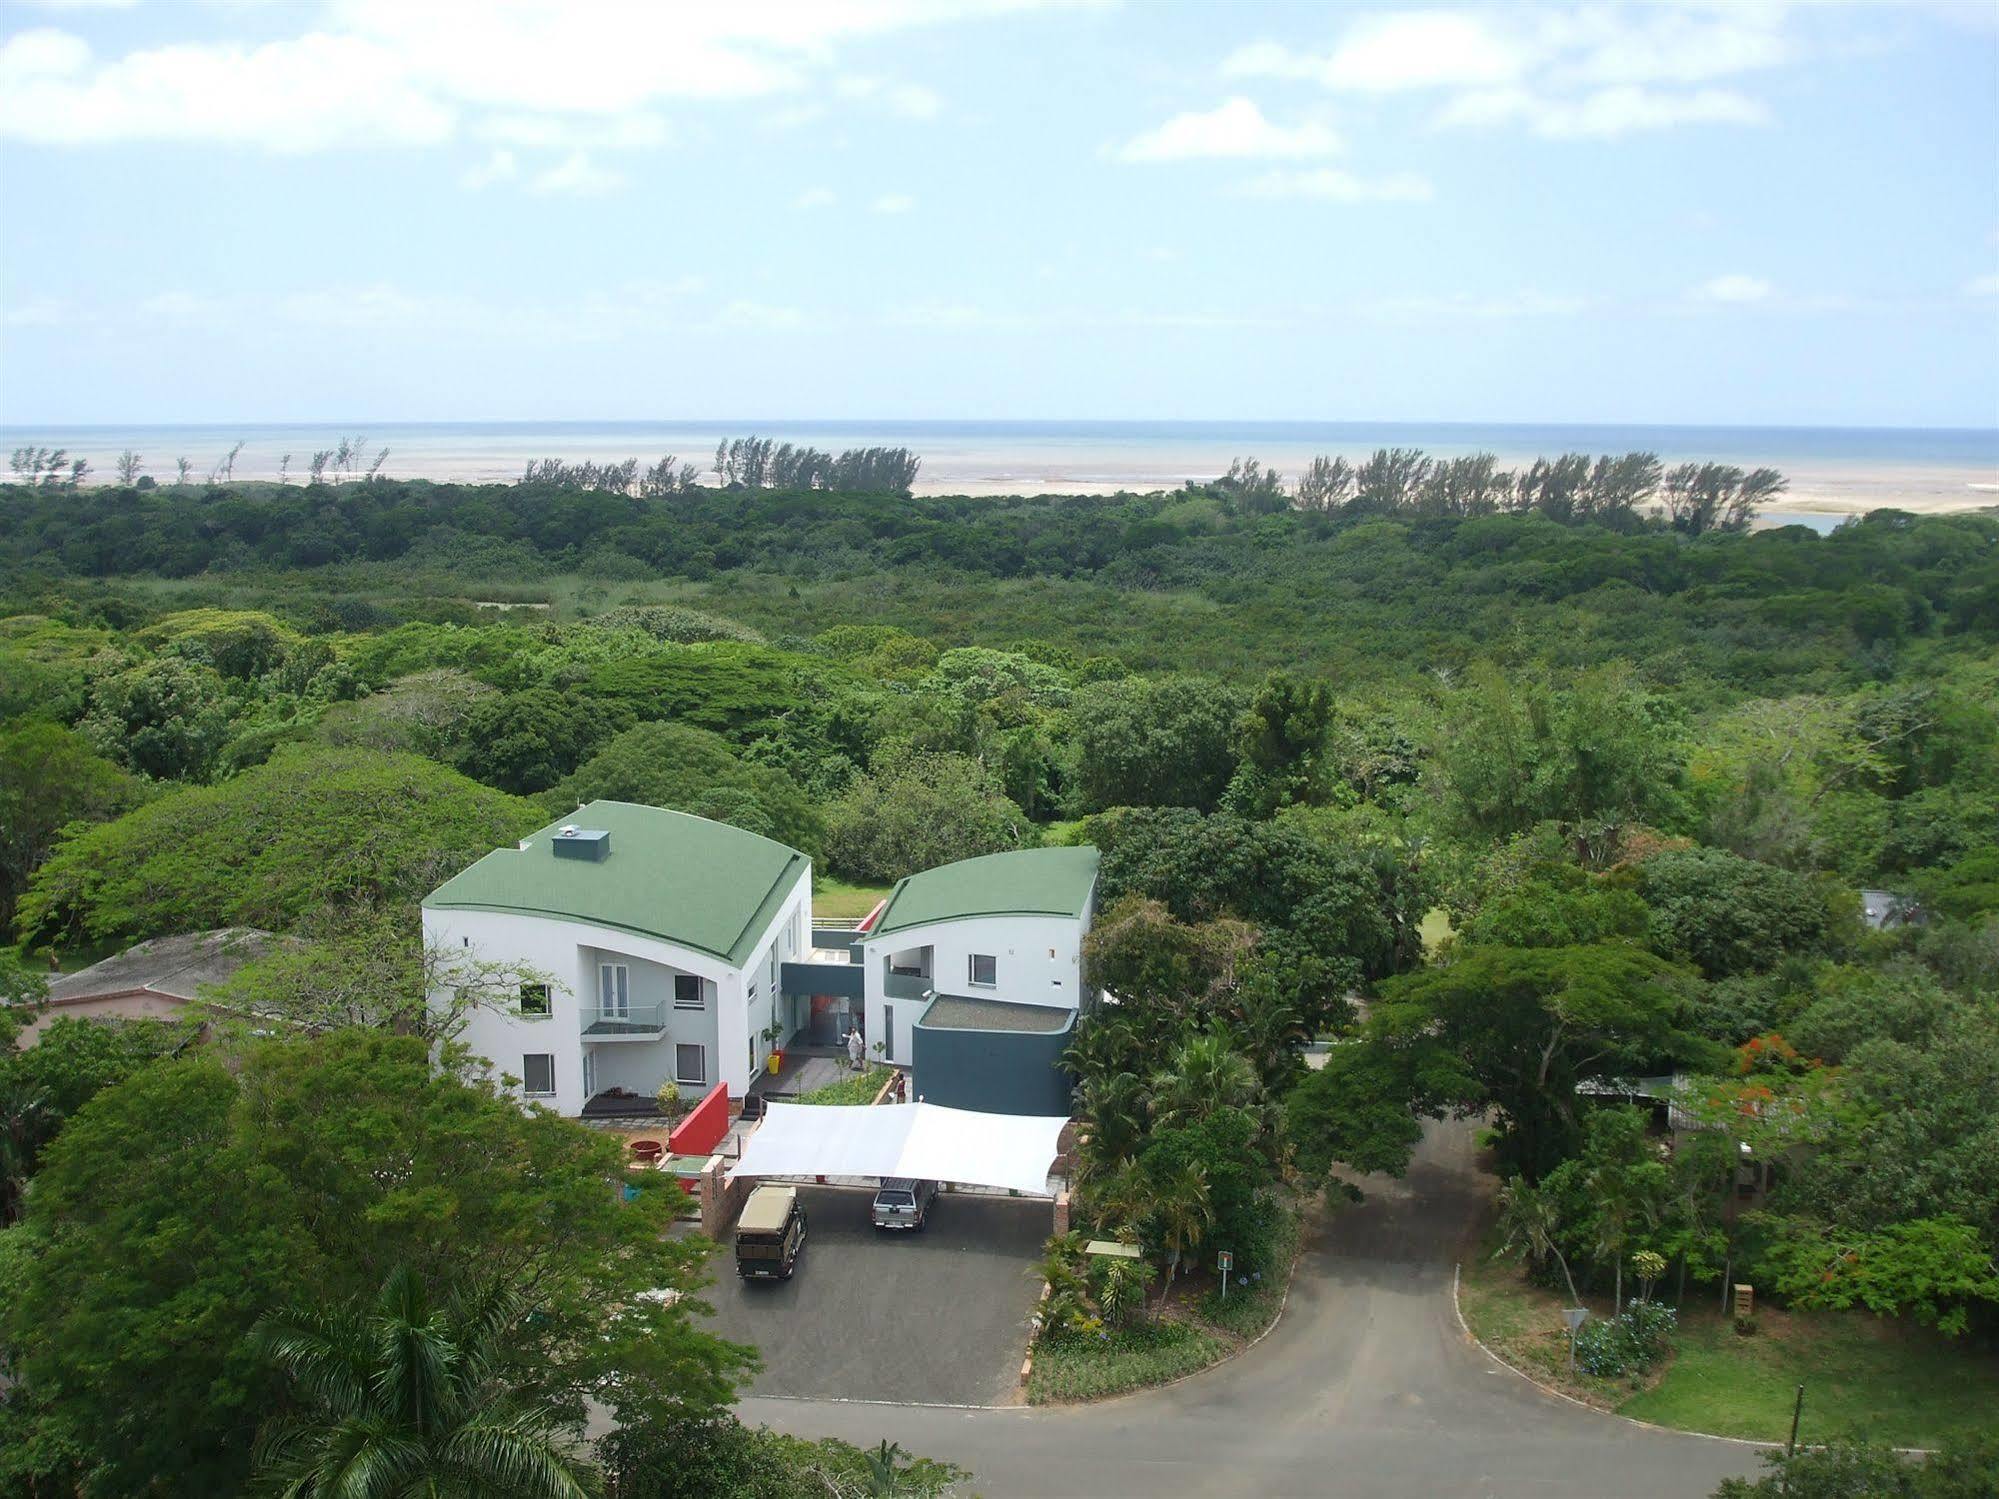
(534, 999)
(687, 993)
(538, 1074)
(690, 1064)
(985, 970)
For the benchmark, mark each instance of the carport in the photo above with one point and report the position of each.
(922, 1140)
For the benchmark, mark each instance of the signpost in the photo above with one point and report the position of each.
(1574, 1316)
(1224, 1262)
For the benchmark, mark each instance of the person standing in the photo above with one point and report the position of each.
(854, 1047)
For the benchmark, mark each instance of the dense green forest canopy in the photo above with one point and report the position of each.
(1494, 797)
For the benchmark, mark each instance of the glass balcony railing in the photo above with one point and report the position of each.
(624, 1020)
(906, 985)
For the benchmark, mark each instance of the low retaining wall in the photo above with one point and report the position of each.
(721, 1200)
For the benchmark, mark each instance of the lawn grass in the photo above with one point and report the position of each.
(861, 1088)
(1150, 1353)
(1434, 928)
(836, 900)
(1863, 1375)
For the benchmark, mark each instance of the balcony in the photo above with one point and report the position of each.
(907, 985)
(628, 1023)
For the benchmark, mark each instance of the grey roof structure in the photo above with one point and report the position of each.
(167, 967)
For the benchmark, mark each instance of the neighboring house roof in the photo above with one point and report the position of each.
(666, 875)
(165, 967)
(957, 1012)
(1025, 882)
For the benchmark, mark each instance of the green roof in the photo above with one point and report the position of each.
(1025, 882)
(677, 878)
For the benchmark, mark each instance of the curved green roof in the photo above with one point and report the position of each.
(1025, 882)
(667, 875)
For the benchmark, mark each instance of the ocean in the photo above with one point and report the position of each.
(1832, 471)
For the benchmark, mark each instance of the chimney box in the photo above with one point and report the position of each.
(593, 844)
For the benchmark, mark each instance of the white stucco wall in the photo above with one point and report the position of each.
(1039, 963)
(728, 1028)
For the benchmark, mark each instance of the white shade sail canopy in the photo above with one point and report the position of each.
(921, 1140)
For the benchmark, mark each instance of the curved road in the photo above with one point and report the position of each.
(1366, 1387)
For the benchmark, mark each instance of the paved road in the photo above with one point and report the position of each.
(1367, 1387)
(939, 1316)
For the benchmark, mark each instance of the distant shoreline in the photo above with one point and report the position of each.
(1832, 471)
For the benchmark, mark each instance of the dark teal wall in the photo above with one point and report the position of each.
(995, 1072)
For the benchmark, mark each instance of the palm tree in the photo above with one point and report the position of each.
(1208, 1073)
(1528, 1223)
(406, 1400)
(1181, 1217)
(1112, 1109)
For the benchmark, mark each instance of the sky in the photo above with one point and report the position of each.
(460, 210)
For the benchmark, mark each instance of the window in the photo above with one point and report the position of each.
(614, 989)
(690, 1064)
(985, 970)
(534, 999)
(687, 993)
(888, 1033)
(538, 1074)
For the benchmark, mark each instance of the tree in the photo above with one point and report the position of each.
(1180, 1215)
(50, 778)
(1139, 951)
(1280, 744)
(1729, 915)
(691, 770)
(1358, 1111)
(167, 719)
(1207, 1074)
(129, 468)
(1705, 497)
(919, 811)
(1325, 484)
(527, 741)
(1516, 1029)
(182, 1206)
(1934, 1269)
(1847, 1469)
(1158, 742)
(311, 831)
(412, 1396)
(1530, 1225)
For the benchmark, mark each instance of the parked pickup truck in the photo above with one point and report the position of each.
(903, 1203)
(770, 1235)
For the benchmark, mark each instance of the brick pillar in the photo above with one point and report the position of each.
(1061, 1212)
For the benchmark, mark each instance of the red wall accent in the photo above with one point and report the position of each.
(701, 1131)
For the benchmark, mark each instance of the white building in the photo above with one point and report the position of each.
(1005, 929)
(661, 937)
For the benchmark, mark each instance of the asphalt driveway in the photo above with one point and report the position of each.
(1366, 1389)
(937, 1317)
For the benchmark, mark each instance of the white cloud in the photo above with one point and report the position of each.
(1383, 54)
(1235, 128)
(302, 95)
(951, 316)
(1502, 307)
(1734, 287)
(498, 167)
(910, 100)
(817, 197)
(759, 316)
(1574, 73)
(1336, 186)
(389, 72)
(638, 130)
(37, 312)
(1605, 113)
(1982, 286)
(577, 173)
(893, 203)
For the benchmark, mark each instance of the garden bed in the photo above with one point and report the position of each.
(1863, 1375)
(1198, 1330)
(861, 1088)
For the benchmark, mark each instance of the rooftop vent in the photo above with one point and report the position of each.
(572, 842)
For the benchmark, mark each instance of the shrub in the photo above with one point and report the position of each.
(1631, 1342)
